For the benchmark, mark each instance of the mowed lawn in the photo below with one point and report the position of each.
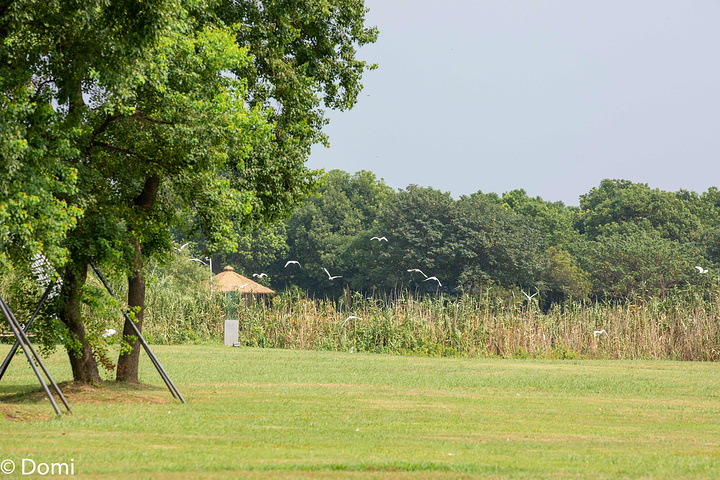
(262, 413)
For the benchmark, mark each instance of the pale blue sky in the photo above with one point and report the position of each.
(549, 96)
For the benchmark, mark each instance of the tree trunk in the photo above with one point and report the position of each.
(127, 367)
(82, 361)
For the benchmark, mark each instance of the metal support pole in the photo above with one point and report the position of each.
(169, 383)
(22, 339)
(14, 348)
(211, 275)
(35, 354)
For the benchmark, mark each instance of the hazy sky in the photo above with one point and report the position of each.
(549, 96)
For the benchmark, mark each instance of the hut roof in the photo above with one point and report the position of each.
(229, 281)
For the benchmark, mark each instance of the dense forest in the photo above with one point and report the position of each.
(624, 240)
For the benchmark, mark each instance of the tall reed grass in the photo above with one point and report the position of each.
(678, 329)
(180, 310)
(179, 307)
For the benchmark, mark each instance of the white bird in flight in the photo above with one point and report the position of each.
(529, 297)
(417, 270)
(433, 278)
(181, 248)
(109, 332)
(331, 277)
(293, 261)
(240, 286)
(260, 275)
(599, 332)
(351, 317)
(379, 239)
(701, 270)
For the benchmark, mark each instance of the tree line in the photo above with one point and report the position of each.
(624, 240)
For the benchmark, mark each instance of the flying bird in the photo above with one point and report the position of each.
(701, 270)
(351, 317)
(433, 278)
(181, 248)
(240, 286)
(529, 297)
(260, 275)
(293, 261)
(109, 332)
(331, 277)
(379, 239)
(599, 332)
(417, 270)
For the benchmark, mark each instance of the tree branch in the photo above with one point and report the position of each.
(126, 151)
(107, 146)
(106, 123)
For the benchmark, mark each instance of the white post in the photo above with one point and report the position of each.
(232, 332)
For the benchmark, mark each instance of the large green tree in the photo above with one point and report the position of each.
(165, 106)
(639, 262)
(497, 244)
(62, 61)
(187, 135)
(303, 60)
(643, 241)
(616, 203)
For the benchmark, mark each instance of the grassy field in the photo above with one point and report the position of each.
(271, 413)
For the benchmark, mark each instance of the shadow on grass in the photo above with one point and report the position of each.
(11, 405)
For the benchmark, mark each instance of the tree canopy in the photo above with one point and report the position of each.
(625, 240)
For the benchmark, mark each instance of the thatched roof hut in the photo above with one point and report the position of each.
(229, 281)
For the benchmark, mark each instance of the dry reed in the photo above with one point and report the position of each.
(468, 326)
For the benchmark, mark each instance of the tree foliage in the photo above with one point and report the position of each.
(333, 229)
(155, 117)
(304, 60)
(639, 262)
(616, 203)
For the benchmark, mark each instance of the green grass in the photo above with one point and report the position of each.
(270, 413)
